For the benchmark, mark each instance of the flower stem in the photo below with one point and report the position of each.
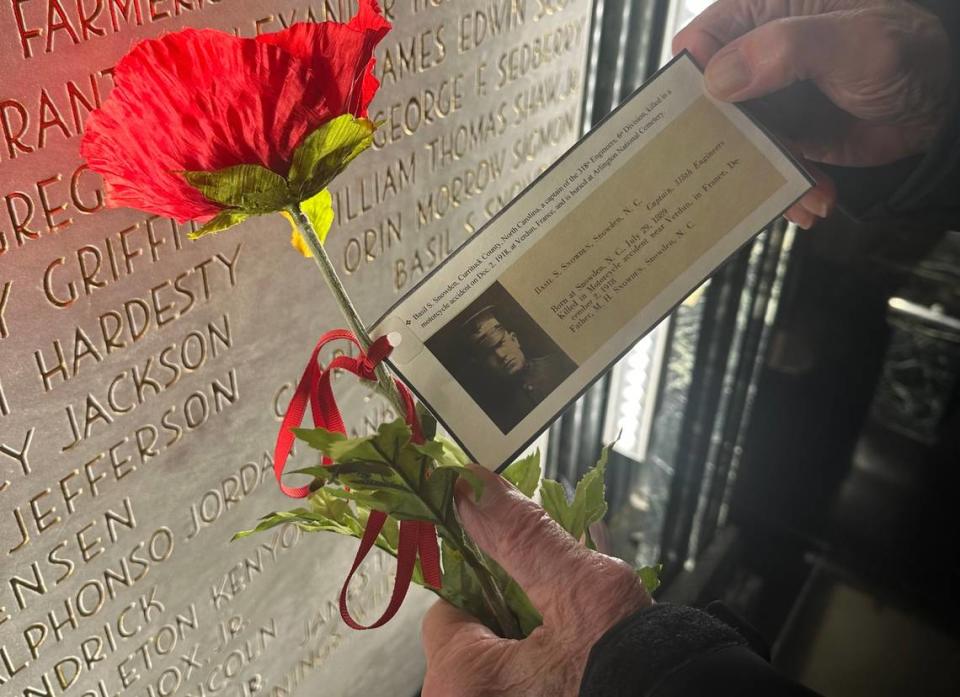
(329, 273)
(492, 593)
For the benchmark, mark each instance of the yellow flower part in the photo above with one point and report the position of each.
(319, 211)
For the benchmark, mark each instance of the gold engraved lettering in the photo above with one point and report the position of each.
(85, 541)
(141, 333)
(68, 493)
(64, 23)
(9, 664)
(48, 209)
(4, 407)
(458, 141)
(159, 646)
(131, 452)
(309, 661)
(372, 189)
(283, 20)
(547, 134)
(468, 183)
(95, 593)
(481, 84)
(55, 198)
(545, 8)
(420, 5)
(45, 518)
(35, 585)
(94, 267)
(242, 574)
(79, 199)
(320, 622)
(20, 212)
(492, 19)
(117, 329)
(155, 375)
(262, 25)
(21, 455)
(417, 54)
(423, 108)
(226, 671)
(4, 331)
(134, 618)
(280, 400)
(213, 503)
(368, 247)
(334, 11)
(534, 99)
(27, 124)
(518, 62)
(430, 251)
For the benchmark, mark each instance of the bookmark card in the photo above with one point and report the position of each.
(536, 305)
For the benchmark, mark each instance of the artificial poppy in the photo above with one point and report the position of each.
(203, 125)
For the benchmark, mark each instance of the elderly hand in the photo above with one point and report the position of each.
(580, 593)
(883, 66)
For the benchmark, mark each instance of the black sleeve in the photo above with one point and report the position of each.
(674, 651)
(926, 189)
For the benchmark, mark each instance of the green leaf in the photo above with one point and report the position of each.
(453, 450)
(386, 472)
(223, 221)
(588, 505)
(326, 152)
(319, 210)
(326, 473)
(389, 538)
(428, 422)
(339, 447)
(434, 450)
(249, 188)
(305, 519)
(328, 513)
(553, 498)
(460, 585)
(518, 602)
(589, 501)
(524, 473)
(446, 457)
(650, 577)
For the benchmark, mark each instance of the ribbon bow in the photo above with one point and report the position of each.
(416, 537)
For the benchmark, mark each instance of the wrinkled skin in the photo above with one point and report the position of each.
(580, 594)
(881, 69)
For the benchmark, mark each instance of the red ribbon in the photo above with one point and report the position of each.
(416, 537)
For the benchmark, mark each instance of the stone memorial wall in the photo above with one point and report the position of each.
(142, 374)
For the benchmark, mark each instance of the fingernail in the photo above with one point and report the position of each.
(818, 205)
(465, 494)
(727, 74)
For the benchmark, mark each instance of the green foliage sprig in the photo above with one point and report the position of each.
(387, 472)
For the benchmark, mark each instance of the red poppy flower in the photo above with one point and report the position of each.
(204, 100)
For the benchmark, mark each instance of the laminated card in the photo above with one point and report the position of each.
(536, 305)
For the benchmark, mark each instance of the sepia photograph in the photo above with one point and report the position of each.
(501, 357)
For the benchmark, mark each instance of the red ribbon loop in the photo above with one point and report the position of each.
(416, 537)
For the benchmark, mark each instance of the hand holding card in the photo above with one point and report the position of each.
(535, 306)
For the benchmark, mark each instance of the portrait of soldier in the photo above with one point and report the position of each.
(502, 358)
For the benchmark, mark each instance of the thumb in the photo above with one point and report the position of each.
(777, 54)
(521, 537)
(446, 627)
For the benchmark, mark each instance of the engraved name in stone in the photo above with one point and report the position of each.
(143, 376)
